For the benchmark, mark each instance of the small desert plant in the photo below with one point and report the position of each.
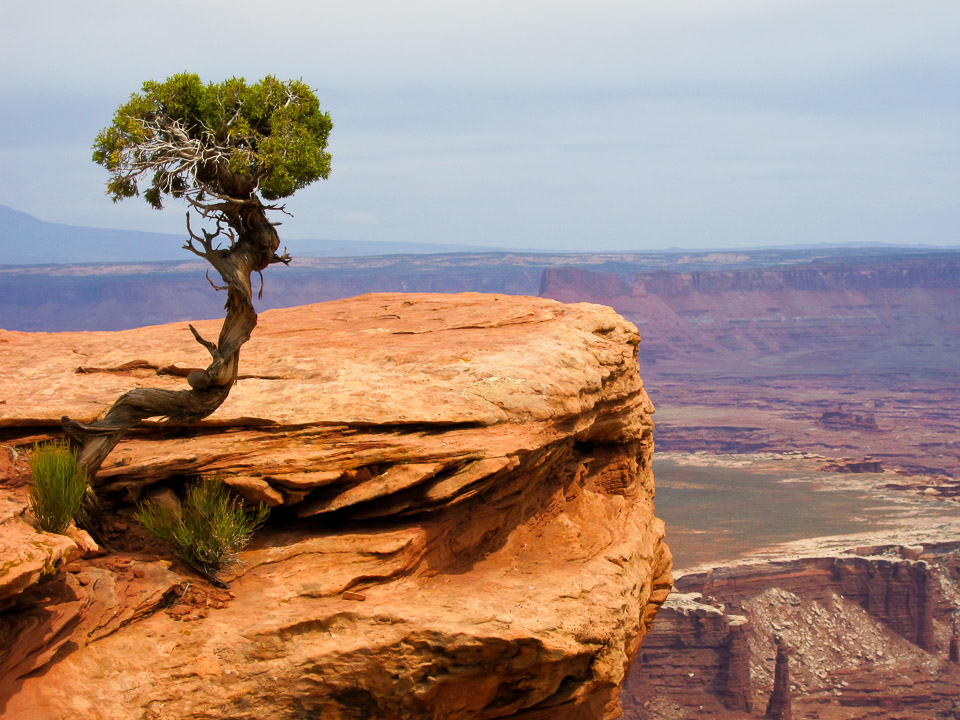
(207, 529)
(59, 484)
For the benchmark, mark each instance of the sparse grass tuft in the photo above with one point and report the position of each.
(208, 528)
(59, 484)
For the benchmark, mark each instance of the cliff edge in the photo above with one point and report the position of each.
(463, 520)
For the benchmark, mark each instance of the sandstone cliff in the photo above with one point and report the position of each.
(463, 520)
(869, 630)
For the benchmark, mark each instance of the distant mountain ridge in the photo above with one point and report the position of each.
(26, 240)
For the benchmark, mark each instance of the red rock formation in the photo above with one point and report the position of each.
(853, 466)
(87, 602)
(738, 688)
(894, 591)
(855, 626)
(695, 650)
(464, 527)
(898, 593)
(780, 706)
(845, 420)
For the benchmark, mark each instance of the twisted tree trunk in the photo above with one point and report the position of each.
(253, 246)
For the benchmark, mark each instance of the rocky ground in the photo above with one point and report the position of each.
(463, 520)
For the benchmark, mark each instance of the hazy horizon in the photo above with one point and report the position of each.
(543, 127)
(108, 246)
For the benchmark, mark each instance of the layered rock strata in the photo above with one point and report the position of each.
(866, 633)
(696, 650)
(463, 518)
(760, 359)
(894, 590)
(823, 311)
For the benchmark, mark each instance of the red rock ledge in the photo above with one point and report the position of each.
(464, 525)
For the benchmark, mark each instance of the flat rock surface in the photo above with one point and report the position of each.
(391, 358)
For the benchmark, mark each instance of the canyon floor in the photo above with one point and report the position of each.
(721, 508)
(770, 496)
(908, 421)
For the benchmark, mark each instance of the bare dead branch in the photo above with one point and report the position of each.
(236, 114)
(213, 210)
(177, 156)
(209, 237)
(214, 285)
(211, 347)
(280, 208)
(188, 245)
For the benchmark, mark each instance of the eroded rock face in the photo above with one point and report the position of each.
(780, 706)
(463, 524)
(868, 631)
(894, 590)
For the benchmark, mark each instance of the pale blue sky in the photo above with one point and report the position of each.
(563, 125)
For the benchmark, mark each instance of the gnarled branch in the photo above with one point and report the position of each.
(254, 243)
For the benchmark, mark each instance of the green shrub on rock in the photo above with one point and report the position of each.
(208, 528)
(59, 484)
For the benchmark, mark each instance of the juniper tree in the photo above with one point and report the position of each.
(223, 148)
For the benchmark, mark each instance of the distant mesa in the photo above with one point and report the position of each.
(845, 420)
(867, 465)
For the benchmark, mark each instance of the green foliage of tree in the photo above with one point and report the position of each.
(182, 137)
(59, 484)
(207, 529)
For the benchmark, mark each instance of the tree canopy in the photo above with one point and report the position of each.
(225, 140)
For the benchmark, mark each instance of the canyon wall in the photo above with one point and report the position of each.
(822, 313)
(855, 361)
(866, 632)
(118, 297)
(463, 520)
